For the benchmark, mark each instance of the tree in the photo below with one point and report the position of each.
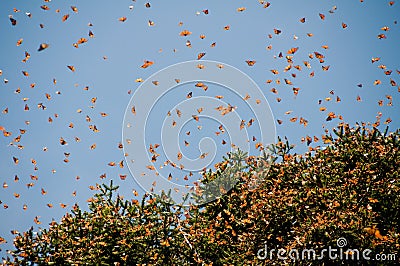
(348, 189)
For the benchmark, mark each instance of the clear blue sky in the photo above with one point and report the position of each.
(127, 44)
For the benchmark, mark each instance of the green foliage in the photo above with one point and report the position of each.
(349, 189)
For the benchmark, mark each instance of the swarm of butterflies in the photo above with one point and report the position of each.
(184, 34)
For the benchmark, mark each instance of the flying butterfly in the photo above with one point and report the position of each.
(13, 21)
(293, 50)
(250, 62)
(147, 64)
(65, 17)
(200, 55)
(43, 46)
(185, 33)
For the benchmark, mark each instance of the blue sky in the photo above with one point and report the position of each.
(127, 44)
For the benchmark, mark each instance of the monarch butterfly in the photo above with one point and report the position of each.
(82, 40)
(331, 115)
(227, 27)
(200, 55)
(241, 9)
(375, 59)
(377, 82)
(266, 5)
(325, 68)
(322, 16)
(65, 17)
(36, 220)
(43, 46)
(388, 121)
(19, 42)
(147, 64)
(13, 21)
(44, 7)
(288, 82)
(373, 231)
(274, 71)
(72, 68)
(302, 20)
(292, 50)
(63, 141)
(344, 25)
(185, 33)
(122, 19)
(74, 8)
(250, 62)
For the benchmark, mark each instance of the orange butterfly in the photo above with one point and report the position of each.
(292, 50)
(65, 17)
(43, 46)
(82, 40)
(147, 64)
(13, 21)
(200, 55)
(250, 62)
(185, 33)
(325, 68)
